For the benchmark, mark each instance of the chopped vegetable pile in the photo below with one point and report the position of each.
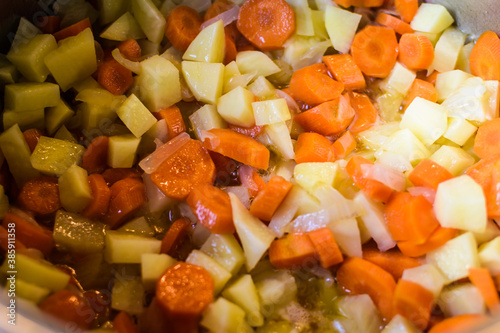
(251, 166)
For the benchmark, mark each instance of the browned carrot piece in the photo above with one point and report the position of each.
(174, 236)
(127, 196)
(49, 24)
(32, 136)
(40, 195)
(174, 120)
(70, 308)
(130, 49)
(292, 251)
(344, 69)
(101, 195)
(73, 29)
(183, 25)
(123, 323)
(344, 145)
(366, 115)
(413, 302)
(95, 157)
(114, 77)
(112, 175)
(248, 131)
(29, 232)
(326, 247)
(270, 197)
(313, 147)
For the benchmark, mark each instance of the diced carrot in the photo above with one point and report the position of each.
(358, 276)
(212, 207)
(435, 240)
(32, 136)
(431, 78)
(266, 23)
(406, 9)
(359, 3)
(40, 195)
(270, 197)
(314, 86)
(114, 77)
(112, 175)
(183, 25)
(366, 115)
(482, 279)
(482, 170)
(243, 44)
(496, 280)
(127, 196)
(393, 261)
(429, 174)
(344, 145)
(183, 170)
(326, 247)
(416, 51)
(375, 50)
(101, 195)
(73, 29)
(313, 147)
(174, 236)
(484, 59)
(252, 132)
(5, 245)
(292, 251)
(130, 49)
(492, 192)
(487, 138)
(328, 118)
(344, 69)
(183, 292)
(371, 187)
(413, 302)
(69, 307)
(459, 323)
(423, 89)
(371, 3)
(123, 323)
(230, 50)
(237, 146)
(95, 157)
(49, 24)
(174, 120)
(400, 26)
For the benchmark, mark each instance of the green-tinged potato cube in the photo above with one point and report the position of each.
(235, 107)
(242, 292)
(28, 96)
(127, 294)
(150, 19)
(205, 80)
(64, 134)
(17, 154)
(206, 118)
(159, 83)
(73, 60)
(126, 248)
(232, 320)
(208, 46)
(125, 27)
(54, 156)
(29, 291)
(219, 274)
(226, 250)
(110, 10)
(136, 116)
(57, 115)
(87, 83)
(38, 272)
(74, 189)
(28, 58)
(25, 119)
(98, 110)
(431, 18)
(122, 150)
(8, 72)
(153, 265)
(256, 62)
(271, 111)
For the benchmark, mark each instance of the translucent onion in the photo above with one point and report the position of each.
(241, 192)
(388, 176)
(133, 66)
(157, 200)
(428, 193)
(283, 215)
(309, 222)
(292, 104)
(227, 17)
(153, 160)
(245, 174)
(199, 5)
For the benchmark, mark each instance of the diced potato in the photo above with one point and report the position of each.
(469, 101)
(219, 274)
(399, 324)
(262, 88)
(256, 63)
(376, 136)
(226, 250)
(54, 156)
(463, 57)
(8, 72)
(138, 226)
(153, 265)
(433, 37)
(243, 293)
(29, 291)
(348, 236)
(426, 275)
(303, 17)
(208, 46)
(150, 19)
(448, 82)
(489, 255)
(64, 134)
(281, 141)
(136, 116)
(490, 232)
(431, 18)
(308, 175)
(98, 109)
(127, 294)
(400, 79)
(206, 118)
(447, 50)
(25, 120)
(493, 87)
(235, 107)
(233, 319)
(270, 111)
(56, 116)
(275, 288)
(461, 299)
(74, 189)
(361, 312)
(204, 79)
(455, 257)
(459, 130)
(29, 96)
(25, 32)
(301, 51)
(341, 26)
(125, 248)
(125, 27)
(456, 160)
(122, 150)
(405, 143)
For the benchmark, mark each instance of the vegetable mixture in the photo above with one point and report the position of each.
(260, 165)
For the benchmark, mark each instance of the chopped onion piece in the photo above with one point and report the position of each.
(133, 66)
(332, 201)
(284, 215)
(198, 5)
(241, 192)
(388, 176)
(246, 178)
(200, 235)
(309, 222)
(428, 193)
(162, 132)
(157, 200)
(292, 104)
(153, 160)
(227, 17)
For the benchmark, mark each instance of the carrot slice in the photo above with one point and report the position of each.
(69, 307)
(114, 77)
(492, 191)
(413, 302)
(344, 69)
(326, 247)
(366, 115)
(40, 195)
(487, 138)
(435, 240)
(482, 279)
(252, 132)
(415, 51)
(344, 145)
(8, 243)
(292, 251)
(32, 136)
(313, 86)
(183, 292)
(423, 89)
(174, 236)
(371, 187)
(313, 147)
(393, 261)
(73, 29)
(484, 59)
(270, 197)
(123, 323)
(266, 23)
(101, 195)
(230, 50)
(130, 49)
(358, 276)
(182, 27)
(237, 146)
(429, 174)
(95, 157)
(406, 9)
(328, 118)
(186, 168)
(375, 50)
(112, 175)
(459, 323)
(401, 27)
(49, 24)
(212, 207)
(127, 196)
(174, 120)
